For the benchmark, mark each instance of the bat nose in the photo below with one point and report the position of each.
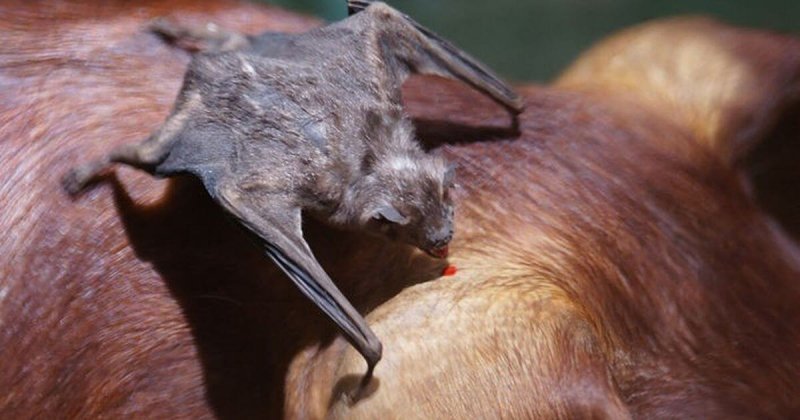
(445, 236)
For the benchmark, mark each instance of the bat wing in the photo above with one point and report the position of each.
(278, 226)
(415, 49)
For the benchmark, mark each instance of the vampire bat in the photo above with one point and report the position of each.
(276, 124)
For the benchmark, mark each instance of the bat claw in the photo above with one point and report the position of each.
(365, 388)
(78, 178)
(196, 38)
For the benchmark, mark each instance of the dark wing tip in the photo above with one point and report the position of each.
(355, 6)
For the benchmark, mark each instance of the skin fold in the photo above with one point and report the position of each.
(621, 252)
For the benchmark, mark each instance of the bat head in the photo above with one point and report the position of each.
(411, 201)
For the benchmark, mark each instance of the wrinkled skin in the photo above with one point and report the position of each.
(629, 253)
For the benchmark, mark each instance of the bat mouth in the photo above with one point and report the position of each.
(440, 252)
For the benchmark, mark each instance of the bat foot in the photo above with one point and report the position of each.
(78, 178)
(197, 38)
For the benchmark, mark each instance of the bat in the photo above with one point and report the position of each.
(278, 124)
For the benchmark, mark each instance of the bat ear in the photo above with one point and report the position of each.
(390, 214)
(449, 179)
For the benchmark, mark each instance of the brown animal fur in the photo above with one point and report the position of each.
(613, 261)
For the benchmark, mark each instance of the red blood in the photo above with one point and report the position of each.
(450, 270)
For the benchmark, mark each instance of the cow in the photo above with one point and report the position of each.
(626, 249)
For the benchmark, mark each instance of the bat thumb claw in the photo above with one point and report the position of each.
(77, 179)
(366, 387)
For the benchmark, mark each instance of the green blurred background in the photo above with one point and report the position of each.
(535, 39)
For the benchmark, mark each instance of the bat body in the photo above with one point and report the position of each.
(275, 125)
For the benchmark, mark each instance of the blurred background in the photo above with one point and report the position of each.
(535, 39)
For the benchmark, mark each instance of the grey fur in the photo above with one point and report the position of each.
(276, 123)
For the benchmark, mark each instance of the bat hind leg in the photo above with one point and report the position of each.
(145, 156)
(208, 38)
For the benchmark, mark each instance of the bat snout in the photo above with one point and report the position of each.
(440, 252)
(439, 247)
